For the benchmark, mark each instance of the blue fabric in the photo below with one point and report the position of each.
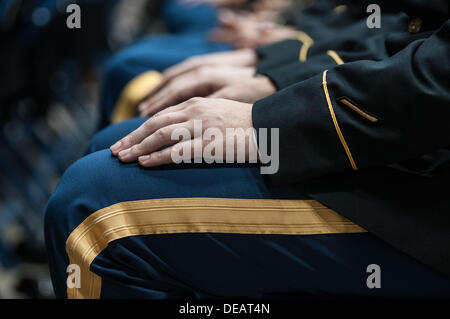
(190, 25)
(216, 265)
(182, 17)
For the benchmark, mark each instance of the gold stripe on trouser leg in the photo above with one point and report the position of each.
(135, 91)
(194, 215)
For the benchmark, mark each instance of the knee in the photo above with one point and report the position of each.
(74, 198)
(111, 134)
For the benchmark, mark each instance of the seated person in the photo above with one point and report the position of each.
(361, 177)
(189, 24)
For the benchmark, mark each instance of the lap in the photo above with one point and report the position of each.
(111, 134)
(202, 260)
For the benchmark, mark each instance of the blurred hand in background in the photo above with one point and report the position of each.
(227, 82)
(227, 75)
(200, 82)
(218, 3)
(247, 90)
(249, 30)
(241, 61)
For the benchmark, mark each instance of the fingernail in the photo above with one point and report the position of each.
(116, 146)
(141, 107)
(124, 153)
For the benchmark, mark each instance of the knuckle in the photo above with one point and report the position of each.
(203, 71)
(195, 100)
(148, 124)
(207, 122)
(134, 150)
(126, 140)
(157, 156)
(183, 116)
(160, 133)
(169, 118)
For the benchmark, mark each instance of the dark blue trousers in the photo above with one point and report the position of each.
(206, 232)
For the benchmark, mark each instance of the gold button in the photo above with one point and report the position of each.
(415, 25)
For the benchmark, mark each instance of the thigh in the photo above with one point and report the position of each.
(182, 231)
(99, 181)
(111, 134)
(156, 52)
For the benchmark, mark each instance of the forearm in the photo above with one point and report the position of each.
(363, 114)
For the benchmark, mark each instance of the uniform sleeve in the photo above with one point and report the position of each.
(280, 53)
(363, 114)
(292, 52)
(291, 73)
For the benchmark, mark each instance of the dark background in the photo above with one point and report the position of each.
(48, 112)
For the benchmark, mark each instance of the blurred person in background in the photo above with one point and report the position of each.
(195, 28)
(48, 108)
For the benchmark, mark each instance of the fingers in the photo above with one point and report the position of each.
(178, 91)
(146, 129)
(173, 109)
(169, 95)
(162, 137)
(160, 95)
(173, 72)
(237, 58)
(181, 151)
(182, 68)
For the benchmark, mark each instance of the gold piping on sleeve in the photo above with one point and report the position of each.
(133, 93)
(194, 215)
(358, 110)
(306, 41)
(333, 54)
(335, 122)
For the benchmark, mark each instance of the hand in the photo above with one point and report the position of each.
(200, 82)
(218, 3)
(248, 30)
(263, 6)
(147, 142)
(247, 91)
(244, 57)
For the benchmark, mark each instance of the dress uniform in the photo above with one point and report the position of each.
(362, 181)
(382, 98)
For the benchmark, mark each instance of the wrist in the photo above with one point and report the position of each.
(249, 57)
(266, 84)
